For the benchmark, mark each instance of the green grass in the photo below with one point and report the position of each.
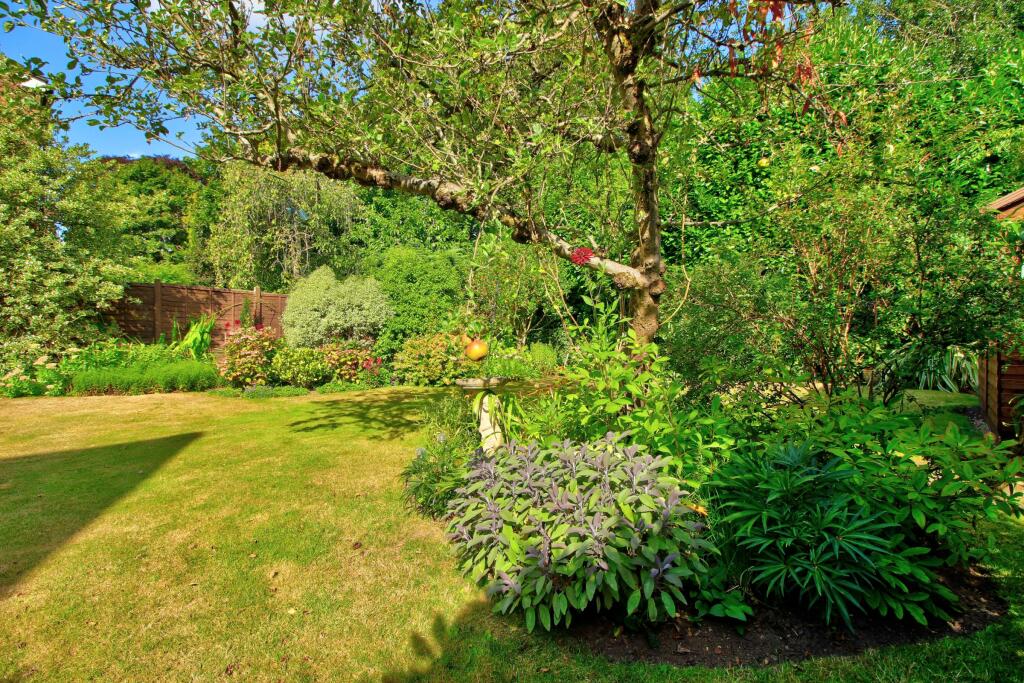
(941, 408)
(190, 536)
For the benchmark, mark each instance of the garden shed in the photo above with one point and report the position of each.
(1001, 374)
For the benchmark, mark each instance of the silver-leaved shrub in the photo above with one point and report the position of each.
(321, 309)
(557, 531)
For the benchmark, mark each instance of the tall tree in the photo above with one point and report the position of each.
(274, 228)
(483, 107)
(56, 233)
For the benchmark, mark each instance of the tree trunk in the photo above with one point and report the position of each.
(626, 41)
(646, 258)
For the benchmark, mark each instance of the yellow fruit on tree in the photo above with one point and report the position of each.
(476, 349)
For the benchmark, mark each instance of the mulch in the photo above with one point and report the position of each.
(775, 634)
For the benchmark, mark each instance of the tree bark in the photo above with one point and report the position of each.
(627, 39)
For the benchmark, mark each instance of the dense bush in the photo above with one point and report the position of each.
(61, 242)
(439, 468)
(348, 361)
(41, 377)
(617, 384)
(247, 355)
(938, 484)
(182, 375)
(322, 310)
(508, 287)
(433, 359)
(424, 287)
(553, 532)
(300, 367)
(543, 357)
(858, 516)
(338, 387)
(532, 362)
(802, 537)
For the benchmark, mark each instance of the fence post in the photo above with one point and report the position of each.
(158, 309)
(258, 312)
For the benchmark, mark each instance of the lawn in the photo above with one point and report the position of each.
(186, 536)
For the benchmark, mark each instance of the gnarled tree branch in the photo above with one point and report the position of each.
(451, 197)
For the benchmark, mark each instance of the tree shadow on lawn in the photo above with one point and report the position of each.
(48, 497)
(388, 415)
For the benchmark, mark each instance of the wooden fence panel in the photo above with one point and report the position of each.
(149, 311)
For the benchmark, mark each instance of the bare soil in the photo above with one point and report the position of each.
(775, 634)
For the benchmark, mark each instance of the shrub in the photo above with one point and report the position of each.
(937, 486)
(247, 355)
(424, 287)
(434, 475)
(182, 375)
(322, 310)
(802, 537)
(375, 374)
(46, 375)
(300, 367)
(531, 362)
(617, 384)
(434, 359)
(543, 357)
(110, 353)
(554, 532)
(42, 377)
(195, 344)
(115, 353)
(347, 361)
(439, 468)
(859, 516)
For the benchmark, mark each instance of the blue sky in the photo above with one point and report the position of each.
(22, 43)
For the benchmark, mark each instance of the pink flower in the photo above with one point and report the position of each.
(581, 255)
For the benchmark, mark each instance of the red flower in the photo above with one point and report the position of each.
(259, 326)
(238, 322)
(581, 255)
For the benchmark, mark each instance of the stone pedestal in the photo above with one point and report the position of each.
(486, 404)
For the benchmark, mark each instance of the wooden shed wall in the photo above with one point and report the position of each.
(1000, 382)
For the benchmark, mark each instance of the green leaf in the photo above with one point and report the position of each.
(633, 602)
(545, 617)
(670, 605)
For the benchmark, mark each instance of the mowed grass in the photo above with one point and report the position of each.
(193, 537)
